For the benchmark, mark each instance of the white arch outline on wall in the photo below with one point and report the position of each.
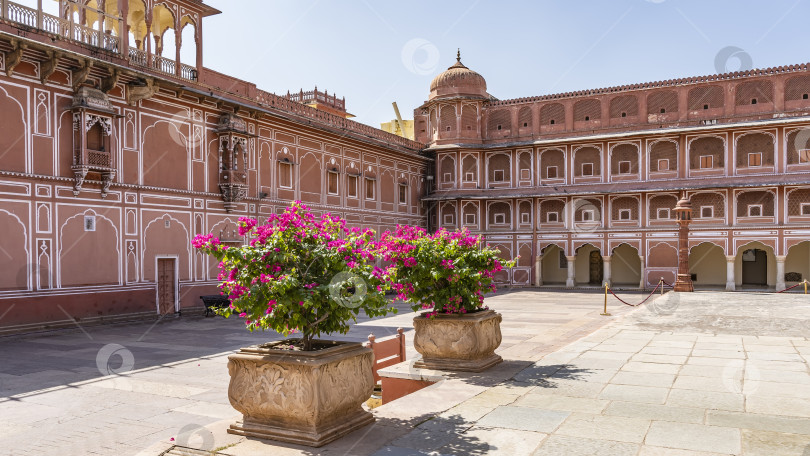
(747, 244)
(574, 152)
(474, 156)
(652, 196)
(454, 178)
(511, 213)
(453, 211)
(476, 212)
(786, 142)
(713, 242)
(25, 247)
(677, 154)
(787, 251)
(689, 141)
(319, 172)
(726, 214)
(487, 159)
(736, 136)
(518, 203)
(187, 146)
(542, 246)
(786, 202)
(618, 197)
(188, 244)
(541, 152)
(586, 200)
(562, 218)
(737, 194)
(61, 244)
(592, 244)
(651, 246)
(613, 146)
(26, 126)
(519, 153)
(624, 242)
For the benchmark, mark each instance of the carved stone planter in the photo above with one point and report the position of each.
(307, 398)
(458, 342)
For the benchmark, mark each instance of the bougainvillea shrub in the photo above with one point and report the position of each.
(300, 274)
(446, 272)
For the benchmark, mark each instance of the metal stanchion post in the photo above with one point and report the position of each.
(805, 286)
(661, 284)
(605, 313)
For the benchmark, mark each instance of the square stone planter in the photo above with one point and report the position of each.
(307, 398)
(454, 342)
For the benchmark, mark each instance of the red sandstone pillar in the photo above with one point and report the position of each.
(683, 214)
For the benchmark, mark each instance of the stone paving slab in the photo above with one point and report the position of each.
(683, 384)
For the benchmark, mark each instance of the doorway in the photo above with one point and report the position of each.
(596, 268)
(755, 267)
(166, 286)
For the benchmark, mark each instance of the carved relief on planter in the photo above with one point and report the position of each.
(308, 398)
(458, 342)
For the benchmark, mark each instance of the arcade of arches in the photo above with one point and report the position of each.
(754, 265)
(588, 266)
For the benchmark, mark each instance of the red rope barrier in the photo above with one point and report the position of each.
(794, 286)
(635, 305)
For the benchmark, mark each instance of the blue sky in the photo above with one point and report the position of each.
(376, 52)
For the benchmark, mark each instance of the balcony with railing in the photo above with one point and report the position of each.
(104, 37)
(65, 28)
(317, 97)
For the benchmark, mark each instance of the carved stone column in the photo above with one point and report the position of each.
(780, 272)
(730, 282)
(606, 269)
(643, 281)
(571, 281)
(538, 271)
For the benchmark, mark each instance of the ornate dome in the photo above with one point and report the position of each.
(458, 80)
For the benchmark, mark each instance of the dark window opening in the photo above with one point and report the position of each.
(753, 101)
(552, 122)
(525, 124)
(587, 117)
(705, 106)
(804, 97)
(624, 114)
(663, 110)
(499, 127)
(448, 128)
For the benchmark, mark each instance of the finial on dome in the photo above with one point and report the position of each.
(458, 55)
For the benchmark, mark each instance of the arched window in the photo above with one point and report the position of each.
(707, 153)
(585, 110)
(664, 157)
(188, 47)
(755, 150)
(552, 114)
(623, 106)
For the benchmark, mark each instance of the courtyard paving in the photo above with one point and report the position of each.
(121, 389)
(698, 374)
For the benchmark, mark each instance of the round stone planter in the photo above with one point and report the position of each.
(307, 398)
(465, 342)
